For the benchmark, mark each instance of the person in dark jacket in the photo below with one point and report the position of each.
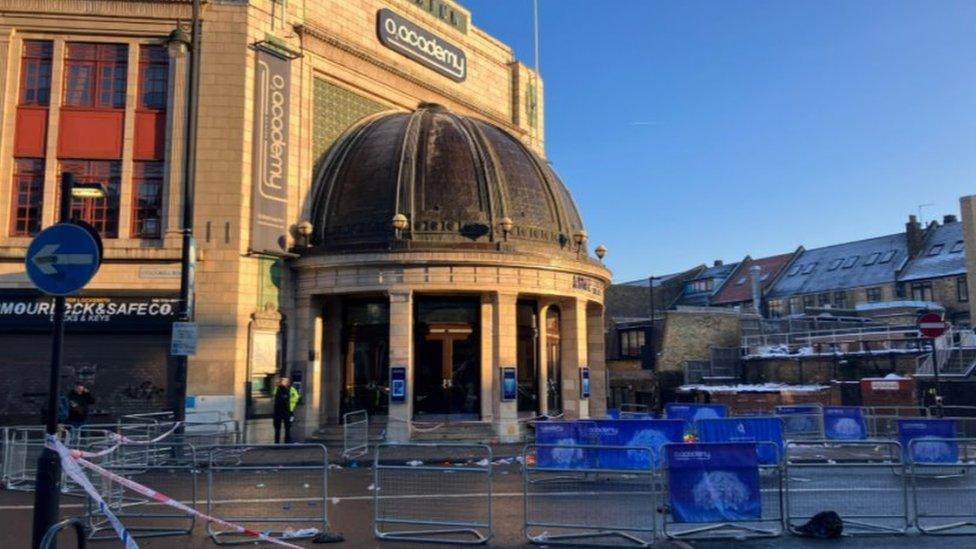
(285, 399)
(80, 402)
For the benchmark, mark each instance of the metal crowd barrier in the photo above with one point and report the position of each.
(863, 481)
(721, 486)
(445, 503)
(276, 489)
(51, 535)
(943, 493)
(22, 447)
(882, 421)
(355, 434)
(576, 507)
(173, 472)
(204, 435)
(801, 421)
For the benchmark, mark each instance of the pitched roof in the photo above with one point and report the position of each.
(943, 254)
(843, 266)
(739, 286)
(719, 274)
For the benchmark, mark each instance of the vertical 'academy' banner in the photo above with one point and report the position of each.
(912, 435)
(713, 482)
(269, 158)
(844, 423)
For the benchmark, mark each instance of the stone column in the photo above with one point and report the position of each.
(309, 325)
(574, 353)
(542, 351)
(332, 362)
(596, 359)
(401, 344)
(487, 322)
(505, 350)
(8, 114)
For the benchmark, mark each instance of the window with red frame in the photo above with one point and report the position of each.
(147, 203)
(35, 73)
(153, 78)
(28, 196)
(102, 213)
(95, 75)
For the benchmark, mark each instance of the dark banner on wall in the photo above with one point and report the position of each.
(269, 206)
(26, 312)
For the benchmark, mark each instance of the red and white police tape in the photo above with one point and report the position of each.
(71, 459)
(122, 439)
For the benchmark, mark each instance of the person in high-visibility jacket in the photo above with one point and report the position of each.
(285, 399)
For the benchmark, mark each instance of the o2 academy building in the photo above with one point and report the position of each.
(374, 215)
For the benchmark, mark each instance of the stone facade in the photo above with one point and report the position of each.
(340, 73)
(691, 334)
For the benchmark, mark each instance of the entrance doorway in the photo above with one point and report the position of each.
(527, 354)
(554, 373)
(366, 356)
(447, 360)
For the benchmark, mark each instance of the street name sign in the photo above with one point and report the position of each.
(62, 259)
(931, 325)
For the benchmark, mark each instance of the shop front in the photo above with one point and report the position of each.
(116, 345)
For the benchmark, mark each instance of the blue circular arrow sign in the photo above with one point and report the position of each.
(62, 259)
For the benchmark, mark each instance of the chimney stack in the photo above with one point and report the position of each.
(718, 263)
(914, 236)
(755, 272)
(949, 218)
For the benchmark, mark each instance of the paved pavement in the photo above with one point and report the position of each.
(251, 492)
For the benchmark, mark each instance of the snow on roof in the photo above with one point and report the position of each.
(841, 266)
(753, 388)
(943, 254)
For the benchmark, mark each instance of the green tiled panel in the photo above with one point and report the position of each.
(334, 111)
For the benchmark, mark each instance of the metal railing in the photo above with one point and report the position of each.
(172, 470)
(281, 490)
(355, 434)
(863, 481)
(943, 494)
(443, 503)
(570, 506)
(51, 535)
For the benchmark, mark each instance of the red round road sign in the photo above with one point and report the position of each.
(932, 325)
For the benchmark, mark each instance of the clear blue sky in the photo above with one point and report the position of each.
(695, 130)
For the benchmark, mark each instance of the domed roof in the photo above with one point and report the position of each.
(457, 180)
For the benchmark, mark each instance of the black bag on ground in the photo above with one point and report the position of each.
(823, 525)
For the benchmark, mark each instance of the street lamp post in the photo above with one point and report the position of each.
(47, 481)
(178, 44)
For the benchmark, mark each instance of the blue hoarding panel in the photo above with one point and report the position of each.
(800, 419)
(693, 412)
(928, 451)
(746, 429)
(844, 423)
(564, 433)
(613, 413)
(713, 482)
(643, 433)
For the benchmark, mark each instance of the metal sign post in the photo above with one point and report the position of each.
(61, 260)
(932, 326)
